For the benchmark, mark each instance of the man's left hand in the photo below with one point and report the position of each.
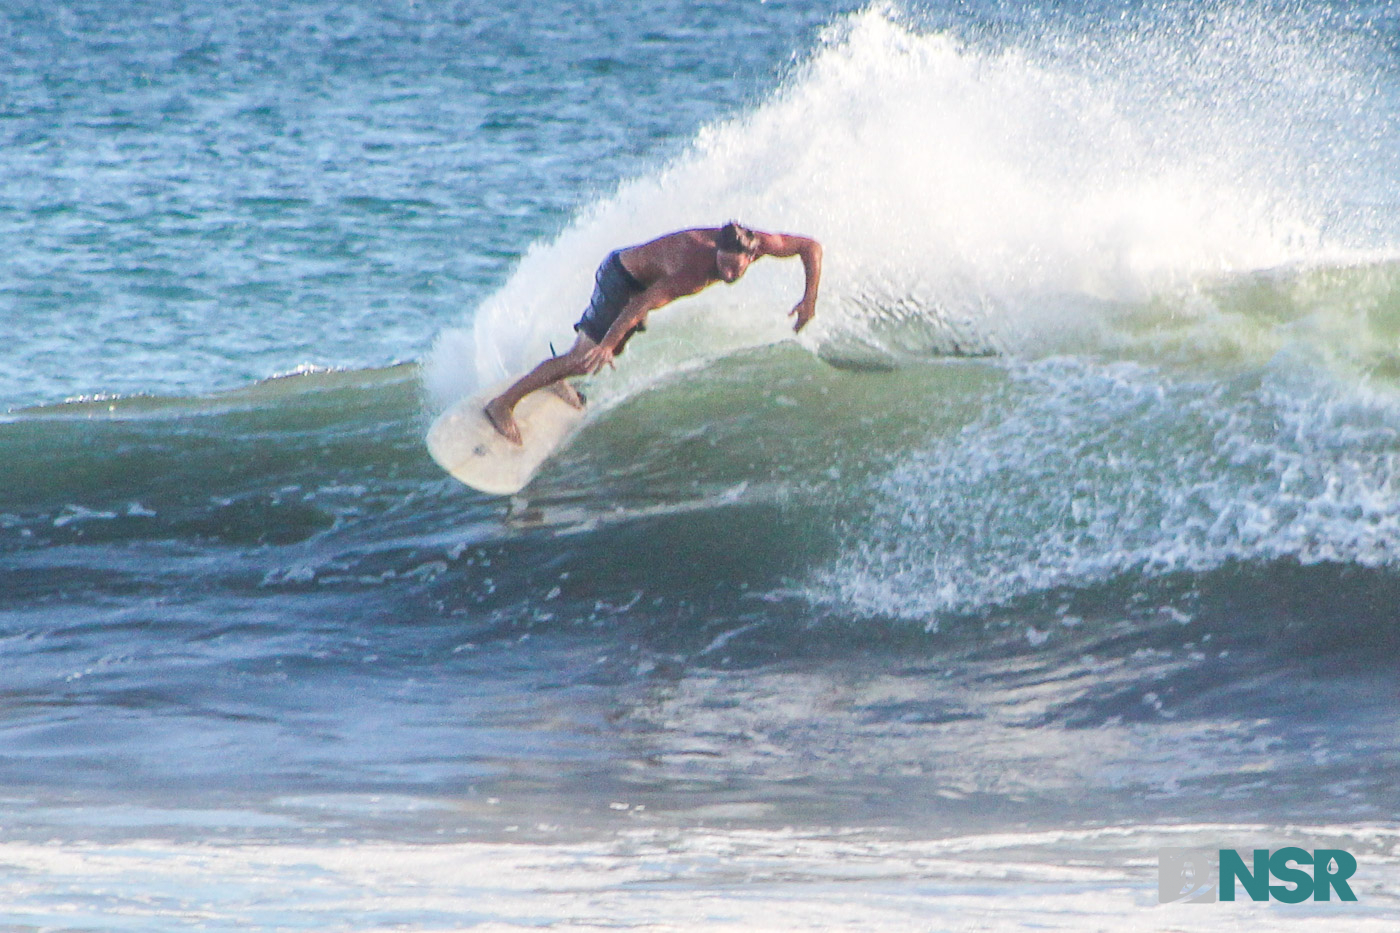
(805, 312)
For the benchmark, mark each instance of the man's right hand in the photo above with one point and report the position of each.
(598, 357)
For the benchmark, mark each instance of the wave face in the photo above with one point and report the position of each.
(1080, 473)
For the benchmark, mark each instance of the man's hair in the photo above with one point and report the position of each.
(736, 238)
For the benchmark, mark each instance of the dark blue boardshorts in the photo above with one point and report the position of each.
(613, 289)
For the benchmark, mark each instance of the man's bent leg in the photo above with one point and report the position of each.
(500, 410)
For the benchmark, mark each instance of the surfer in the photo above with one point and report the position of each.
(633, 282)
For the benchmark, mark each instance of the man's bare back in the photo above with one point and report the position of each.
(637, 280)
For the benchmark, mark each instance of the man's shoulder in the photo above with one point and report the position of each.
(695, 236)
(680, 247)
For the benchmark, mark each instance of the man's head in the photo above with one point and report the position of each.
(735, 248)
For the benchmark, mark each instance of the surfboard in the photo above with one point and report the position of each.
(465, 444)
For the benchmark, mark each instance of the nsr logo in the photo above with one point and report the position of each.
(1196, 876)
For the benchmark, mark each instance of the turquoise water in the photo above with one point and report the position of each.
(198, 195)
(1067, 531)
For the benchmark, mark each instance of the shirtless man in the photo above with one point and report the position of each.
(633, 282)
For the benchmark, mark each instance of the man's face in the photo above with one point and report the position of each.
(731, 266)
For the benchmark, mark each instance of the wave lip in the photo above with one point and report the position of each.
(302, 384)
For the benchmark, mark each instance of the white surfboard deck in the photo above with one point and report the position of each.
(465, 444)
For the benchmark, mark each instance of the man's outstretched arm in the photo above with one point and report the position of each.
(785, 246)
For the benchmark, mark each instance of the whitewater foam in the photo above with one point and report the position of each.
(1083, 471)
(666, 879)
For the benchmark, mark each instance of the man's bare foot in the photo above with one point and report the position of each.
(502, 420)
(569, 394)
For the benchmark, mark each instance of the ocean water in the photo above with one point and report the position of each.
(1069, 530)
